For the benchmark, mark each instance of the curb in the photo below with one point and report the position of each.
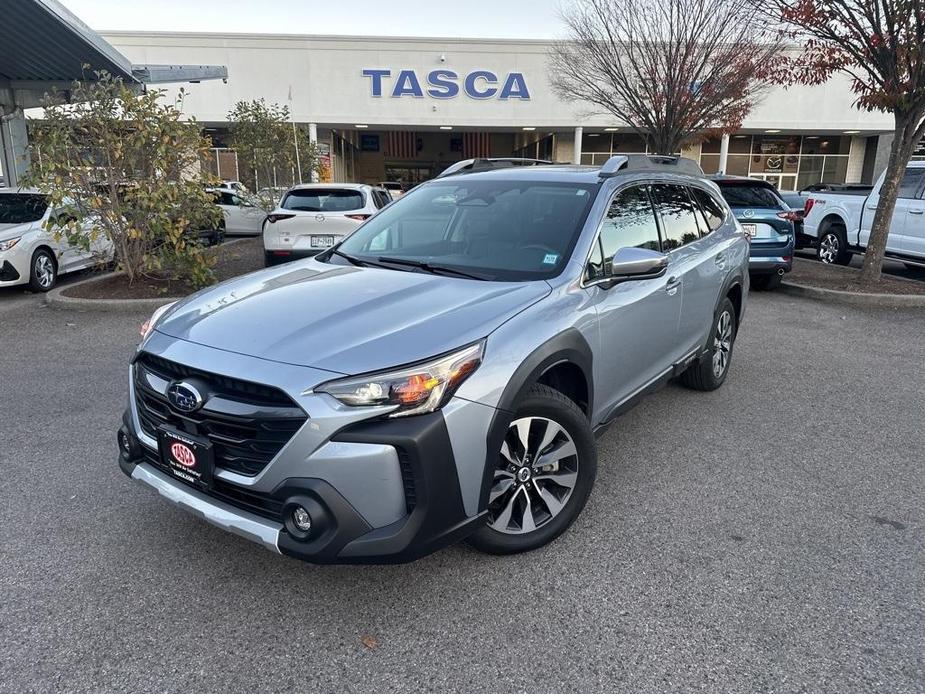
(56, 299)
(853, 298)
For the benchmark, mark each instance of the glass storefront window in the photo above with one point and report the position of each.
(835, 170)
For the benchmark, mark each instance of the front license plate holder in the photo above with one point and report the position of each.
(189, 458)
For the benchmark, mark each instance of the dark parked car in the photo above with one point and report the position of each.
(769, 222)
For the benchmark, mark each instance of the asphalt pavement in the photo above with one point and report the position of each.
(767, 537)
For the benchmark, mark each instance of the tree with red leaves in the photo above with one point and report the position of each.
(880, 46)
(673, 70)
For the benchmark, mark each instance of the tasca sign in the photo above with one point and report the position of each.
(446, 84)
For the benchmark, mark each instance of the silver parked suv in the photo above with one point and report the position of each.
(442, 372)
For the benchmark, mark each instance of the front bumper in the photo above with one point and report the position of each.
(14, 265)
(378, 491)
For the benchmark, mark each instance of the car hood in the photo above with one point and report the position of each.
(347, 320)
(8, 231)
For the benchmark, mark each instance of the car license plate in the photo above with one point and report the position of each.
(751, 230)
(190, 458)
(322, 241)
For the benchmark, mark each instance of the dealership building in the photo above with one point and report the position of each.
(402, 109)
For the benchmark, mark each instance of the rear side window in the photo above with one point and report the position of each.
(750, 195)
(21, 208)
(327, 200)
(677, 214)
(912, 181)
(712, 211)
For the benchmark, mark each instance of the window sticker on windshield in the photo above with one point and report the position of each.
(550, 259)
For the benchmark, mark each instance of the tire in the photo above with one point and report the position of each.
(832, 248)
(543, 489)
(765, 283)
(710, 371)
(43, 271)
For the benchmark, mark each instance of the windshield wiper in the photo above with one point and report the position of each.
(350, 258)
(433, 269)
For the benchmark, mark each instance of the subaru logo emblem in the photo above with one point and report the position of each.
(184, 397)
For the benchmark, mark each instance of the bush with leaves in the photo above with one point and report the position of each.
(268, 144)
(126, 166)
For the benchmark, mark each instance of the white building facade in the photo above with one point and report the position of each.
(405, 108)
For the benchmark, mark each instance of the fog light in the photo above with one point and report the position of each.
(301, 519)
(125, 446)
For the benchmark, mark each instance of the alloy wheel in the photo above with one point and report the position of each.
(44, 271)
(828, 248)
(722, 344)
(536, 474)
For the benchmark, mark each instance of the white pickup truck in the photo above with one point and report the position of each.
(840, 222)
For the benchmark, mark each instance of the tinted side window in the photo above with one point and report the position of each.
(711, 209)
(679, 221)
(630, 222)
(227, 199)
(911, 182)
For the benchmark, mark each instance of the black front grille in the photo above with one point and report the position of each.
(247, 423)
(255, 502)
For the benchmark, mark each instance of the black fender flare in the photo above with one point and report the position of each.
(568, 346)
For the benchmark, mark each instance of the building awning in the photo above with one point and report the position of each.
(42, 42)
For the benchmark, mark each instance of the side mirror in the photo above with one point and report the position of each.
(635, 264)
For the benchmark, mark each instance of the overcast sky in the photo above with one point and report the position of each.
(463, 18)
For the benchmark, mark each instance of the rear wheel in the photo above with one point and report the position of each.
(43, 272)
(709, 372)
(832, 248)
(543, 475)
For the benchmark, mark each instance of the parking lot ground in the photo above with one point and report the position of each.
(767, 537)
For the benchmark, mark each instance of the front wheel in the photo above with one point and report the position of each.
(43, 272)
(709, 372)
(543, 475)
(832, 248)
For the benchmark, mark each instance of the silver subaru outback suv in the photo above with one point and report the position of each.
(442, 372)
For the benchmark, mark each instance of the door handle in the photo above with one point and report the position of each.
(672, 285)
(916, 211)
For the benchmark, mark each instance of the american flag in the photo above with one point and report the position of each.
(476, 145)
(401, 145)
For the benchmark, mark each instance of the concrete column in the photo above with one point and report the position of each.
(14, 146)
(313, 138)
(576, 157)
(723, 153)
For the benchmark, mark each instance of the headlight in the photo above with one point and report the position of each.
(151, 323)
(416, 389)
(9, 243)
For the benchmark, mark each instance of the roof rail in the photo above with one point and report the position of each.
(474, 165)
(649, 162)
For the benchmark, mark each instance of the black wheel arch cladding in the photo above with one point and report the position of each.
(568, 346)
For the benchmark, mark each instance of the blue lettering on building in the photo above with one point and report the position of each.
(443, 84)
(447, 84)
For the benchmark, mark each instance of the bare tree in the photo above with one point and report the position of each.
(673, 70)
(880, 46)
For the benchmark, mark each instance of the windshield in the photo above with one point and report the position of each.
(21, 208)
(326, 200)
(750, 195)
(502, 229)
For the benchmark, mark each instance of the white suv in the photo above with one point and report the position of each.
(314, 216)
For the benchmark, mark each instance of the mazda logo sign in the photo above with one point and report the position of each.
(319, 217)
(184, 397)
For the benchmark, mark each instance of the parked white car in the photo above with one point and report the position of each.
(393, 188)
(242, 217)
(29, 254)
(840, 222)
(315, 216)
